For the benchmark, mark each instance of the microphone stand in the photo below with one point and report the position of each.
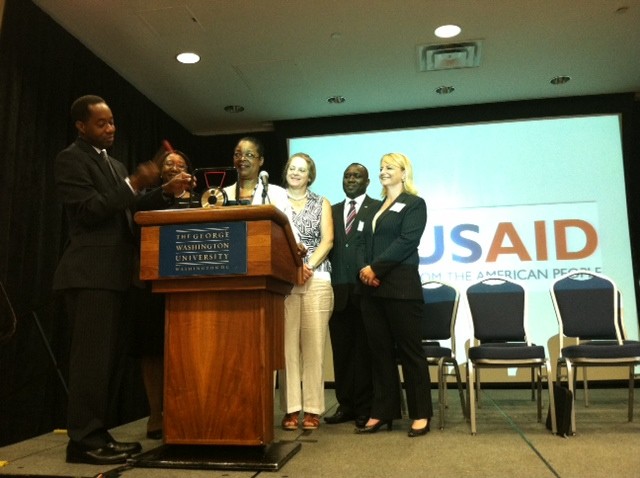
(192, 203)
(264, 179)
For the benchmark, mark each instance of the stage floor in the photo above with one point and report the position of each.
(509, 443)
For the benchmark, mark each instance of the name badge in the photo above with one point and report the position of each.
(360, 226)
(397, 207)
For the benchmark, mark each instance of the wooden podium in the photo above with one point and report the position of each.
(223, 331)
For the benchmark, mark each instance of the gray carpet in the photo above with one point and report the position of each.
(509, 443)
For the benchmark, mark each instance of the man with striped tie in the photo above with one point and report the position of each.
(351, 361)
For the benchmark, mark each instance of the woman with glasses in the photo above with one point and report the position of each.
(248, 158)
(171, 164)
(149, 312)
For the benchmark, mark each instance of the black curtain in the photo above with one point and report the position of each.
(42, 70)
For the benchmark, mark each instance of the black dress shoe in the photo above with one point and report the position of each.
(123, 447)
(416, 432)
(361, 421)
(375, 428)
(339, 417)
(99, 456)
(155, 434)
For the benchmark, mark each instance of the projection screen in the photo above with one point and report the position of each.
(527, 200)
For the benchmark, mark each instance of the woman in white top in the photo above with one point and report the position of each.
(248, 158)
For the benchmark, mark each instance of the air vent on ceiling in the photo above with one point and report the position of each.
(450, 56)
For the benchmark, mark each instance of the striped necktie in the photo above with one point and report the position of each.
(351, 215)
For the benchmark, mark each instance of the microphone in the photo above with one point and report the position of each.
(264, 179)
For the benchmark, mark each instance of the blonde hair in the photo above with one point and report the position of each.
(401, 161)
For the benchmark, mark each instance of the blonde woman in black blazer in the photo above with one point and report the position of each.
(392, 301)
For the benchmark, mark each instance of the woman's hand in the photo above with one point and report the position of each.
(307, 273)
(301, 250)
(368, 277)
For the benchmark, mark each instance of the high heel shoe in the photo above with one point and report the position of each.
(374, 428)
(416, 432)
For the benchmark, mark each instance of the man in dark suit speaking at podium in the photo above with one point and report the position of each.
(351, 360)
(97, 269)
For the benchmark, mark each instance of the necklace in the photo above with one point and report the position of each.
(297, 198)
(246, 192)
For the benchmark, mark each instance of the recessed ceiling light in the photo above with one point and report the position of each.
(234, 109)
(560, 80)
(336, 99)
(188, 58)
(447, 31)
(445, 90)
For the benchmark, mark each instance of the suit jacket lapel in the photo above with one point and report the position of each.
(342, 232)
(95, 156)
(388, 210)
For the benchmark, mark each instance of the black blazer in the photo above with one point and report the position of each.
(102, 247)
(344, 270)
(392, 250)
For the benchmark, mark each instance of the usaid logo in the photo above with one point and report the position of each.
(522, 243)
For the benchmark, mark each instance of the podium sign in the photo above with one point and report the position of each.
(203, 249)
(224, 329)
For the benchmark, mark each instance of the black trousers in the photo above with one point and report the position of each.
(98, 345)
(351, 359)
(393, 331)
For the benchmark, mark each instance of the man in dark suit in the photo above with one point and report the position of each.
(97, 269)
(351, 357)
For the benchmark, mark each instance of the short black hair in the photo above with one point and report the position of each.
(80, 107)
(256, 142)
(359, 165)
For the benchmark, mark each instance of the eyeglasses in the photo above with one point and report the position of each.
(249, 155)
(172, 165)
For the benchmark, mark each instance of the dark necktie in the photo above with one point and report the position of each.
(105, 158)
(351, 216)
(118, 180)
